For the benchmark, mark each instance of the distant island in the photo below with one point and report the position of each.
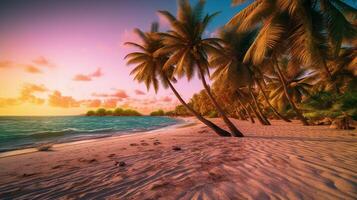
(178, 111)
(115, 112)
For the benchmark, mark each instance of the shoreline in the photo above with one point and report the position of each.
(181, 121)
(282, 161)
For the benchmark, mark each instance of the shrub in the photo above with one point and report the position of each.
(320, 100)
(108, 112)
(130, 112)
(90, 113)
(159, 112)
(170, 113)
(349, 101)
(118, 112)
(101, 112)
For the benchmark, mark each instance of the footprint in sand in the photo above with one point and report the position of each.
(92, 160)
(144, 144)
(29, 174)
(120, 163)
(176, 148)
(134, 144)
(88, 160)
(157, 143)
(57, 166)
(202, 131)
(111, 155)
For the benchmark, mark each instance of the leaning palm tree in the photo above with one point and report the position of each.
(148, 69)
(229, 64)
(189, 50)
(298, 83)
(230, 69)
(307, 26)
(259, 83)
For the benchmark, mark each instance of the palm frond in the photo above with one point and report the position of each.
(269, 36)
(134, 55)
(135, 45)
(338, 26)
(243, 14)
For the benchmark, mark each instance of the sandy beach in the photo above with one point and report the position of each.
(282, 161)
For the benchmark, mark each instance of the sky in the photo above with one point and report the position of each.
(66, 57)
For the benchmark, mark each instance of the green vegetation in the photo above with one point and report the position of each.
(90, 113)
(116, 112)
(274, 59)
(158, 113)
(326, 104)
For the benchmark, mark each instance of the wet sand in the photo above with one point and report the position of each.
(282, 161)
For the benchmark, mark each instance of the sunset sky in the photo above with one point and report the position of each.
(66, 57)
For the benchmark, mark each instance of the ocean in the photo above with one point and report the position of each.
(24, 132)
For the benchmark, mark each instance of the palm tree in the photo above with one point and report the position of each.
(189, 50)
(246, 110)
(298, 82)
(245, 94)
(299, 27)
(148, 69)
(229, 64)
(267, 101)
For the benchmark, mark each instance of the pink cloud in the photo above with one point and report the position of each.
(119, 94)
(110, 103)
(94, 94)
(92, 103)
(32, 88)
(139, 92)
(32, 69)
(166, 99)
(57, 100)
(83, 77)
(97, 73)
(26, 96)
(9, 102)
(6, 63)
(43, 61)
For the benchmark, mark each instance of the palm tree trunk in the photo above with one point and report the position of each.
(260, 113)
(292, 103)
(261, 121)
(329, 75)
(270, 105)
(239, 113)
(235, 132)
(208, 123)
(253, 110)
(246, 110)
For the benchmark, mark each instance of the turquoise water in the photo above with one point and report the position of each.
(22, 132)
